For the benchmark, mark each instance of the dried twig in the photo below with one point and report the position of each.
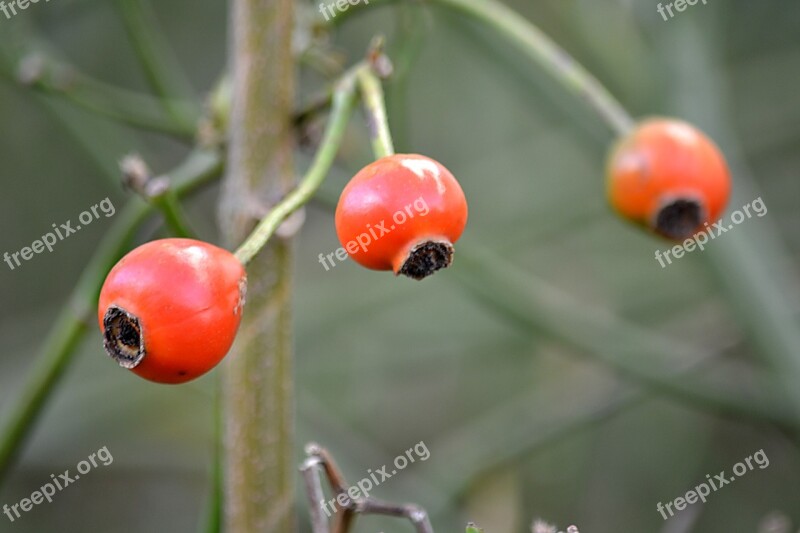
(320, 460)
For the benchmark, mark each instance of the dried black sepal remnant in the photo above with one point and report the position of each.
(122, 337)
(426, 258)
(679, 219)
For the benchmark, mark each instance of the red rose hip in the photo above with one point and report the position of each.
(669, 177)
(169, 309)
(402, 213)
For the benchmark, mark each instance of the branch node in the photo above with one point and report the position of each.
(31, 69)
(135, 173)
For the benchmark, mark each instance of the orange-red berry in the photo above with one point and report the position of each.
(402, 213)
(169, 309)
(669, 177)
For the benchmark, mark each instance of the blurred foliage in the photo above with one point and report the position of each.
(383, 363)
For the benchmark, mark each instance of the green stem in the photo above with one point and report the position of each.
(478, 455)
(537, 46)
(750, 263)
(213, 522)
(163, 72)
(122, 105)
(26, 59)
(62, 341)
(411, 35)
(174, 215)
(314, 107)
(341, 110)
(375, 108)
(511, 432)
(77, 315)
(645, 358)
(157, 191)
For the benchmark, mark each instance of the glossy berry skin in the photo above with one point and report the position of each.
(169, 309)
(402, 213)
(669, 177)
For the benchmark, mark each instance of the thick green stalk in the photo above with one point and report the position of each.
(258, 386)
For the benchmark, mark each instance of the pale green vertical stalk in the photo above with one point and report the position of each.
(375, 108)
(258, 384)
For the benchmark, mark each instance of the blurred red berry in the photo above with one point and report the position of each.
(669, 177)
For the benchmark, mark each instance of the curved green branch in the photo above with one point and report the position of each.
(341, 110)
(375, 108)
(538, 47)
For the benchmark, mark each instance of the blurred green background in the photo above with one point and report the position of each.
(520, 424)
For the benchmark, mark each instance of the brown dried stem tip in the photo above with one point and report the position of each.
(122, 337)
(426, 258)
(319, 462)
(135, 173)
